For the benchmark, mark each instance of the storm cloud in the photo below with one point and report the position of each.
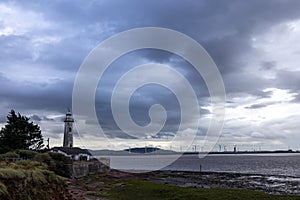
(43, 44)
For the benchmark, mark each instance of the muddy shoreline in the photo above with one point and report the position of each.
(273, 184)
(80, 188)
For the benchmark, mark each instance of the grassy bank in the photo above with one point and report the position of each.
(138, 188)
(39, 178)
(30, 180)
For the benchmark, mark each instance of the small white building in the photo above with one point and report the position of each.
(74, 153)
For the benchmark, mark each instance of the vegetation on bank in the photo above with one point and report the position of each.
(132, 187)
(27, 173)
(30, 180)
(55, 162)
(142, 189)
(36, 178)
(20, 133)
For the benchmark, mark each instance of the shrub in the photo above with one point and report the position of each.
(26, 154)
(9, 173)
(55, 162)
(3, 191)
(36, 176)
(61, 164)
(28, 179)
(45, 158)
(9, 156)
(29, 164)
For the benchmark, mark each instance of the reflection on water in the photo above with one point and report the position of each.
(276, 164)
(288, 164)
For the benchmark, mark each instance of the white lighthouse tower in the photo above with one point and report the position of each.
(68, 132)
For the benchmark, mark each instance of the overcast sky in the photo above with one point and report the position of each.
(255, 45)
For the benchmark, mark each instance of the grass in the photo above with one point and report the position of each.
(9, 173)
(31, 171)
(24, 164)
(147, 190)
(138, 188)
(3, 190)
(36, 176)
(29, 180)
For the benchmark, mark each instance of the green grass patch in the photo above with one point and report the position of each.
(9, 173)
(94, 193)
(147, 190)
(29, 164)
(30, 180)
(3, 190)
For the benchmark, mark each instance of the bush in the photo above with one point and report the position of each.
(61, 164)
(3, 191)
(23, 164)
(56, 162)
(9, 173)
(33, 183)
(9, 156)
(30, 164)
(45, 158)
(26, 154)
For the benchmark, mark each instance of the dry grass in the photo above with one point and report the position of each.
(25, 179)
(3, 190)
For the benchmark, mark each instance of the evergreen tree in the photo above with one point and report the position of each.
(19, 133)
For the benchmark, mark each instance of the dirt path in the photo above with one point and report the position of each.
(91, 187)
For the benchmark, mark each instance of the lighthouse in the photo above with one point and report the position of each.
(68, 131)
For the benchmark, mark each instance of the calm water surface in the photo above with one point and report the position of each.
(273, 164)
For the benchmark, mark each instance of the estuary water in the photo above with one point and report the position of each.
(287, 164)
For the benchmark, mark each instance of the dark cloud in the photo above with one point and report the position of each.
(115, 133)
(41, 118)
(45, 118)
(48, 96)
(267, 65)
(39, 62)
(259, 105)
(56, 132)
(289, 80)
(35, 118)
(204, 111)
(3, 119)
(13, 46)
(165, 135)
(252, 84)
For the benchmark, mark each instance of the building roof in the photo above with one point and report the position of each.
(72, 150)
